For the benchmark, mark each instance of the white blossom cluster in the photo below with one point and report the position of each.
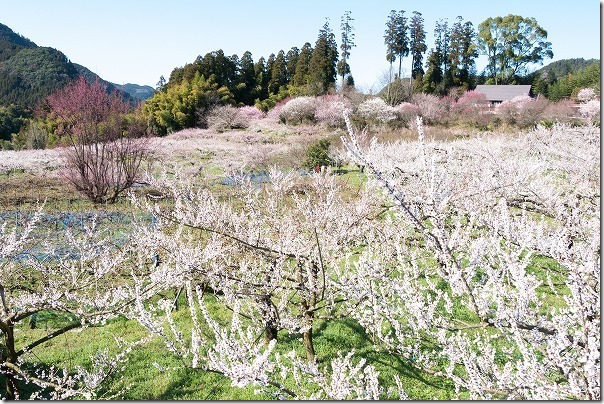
(88, 284)
(487, 214)
(376, 109)
(298, 110)
(476, 261)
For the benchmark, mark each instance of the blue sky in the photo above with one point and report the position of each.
(130, 41)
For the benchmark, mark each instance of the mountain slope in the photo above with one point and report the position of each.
(136, 91)
(29, 73)
(562, 68)
(11, 43)
(33, 73)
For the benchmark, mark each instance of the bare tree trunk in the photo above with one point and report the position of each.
(308, 345)
(270, 318)
(307, 305)
(12, 388)
(389, 81)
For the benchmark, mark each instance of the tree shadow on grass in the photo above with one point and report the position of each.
(344, 335)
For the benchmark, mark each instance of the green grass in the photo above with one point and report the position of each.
(141, 380)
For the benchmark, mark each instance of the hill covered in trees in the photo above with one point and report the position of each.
(136, 91)
(218, 78)
(29, 73)
(564, 78)
(562, 68)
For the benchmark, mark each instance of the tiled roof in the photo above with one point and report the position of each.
(503, 92)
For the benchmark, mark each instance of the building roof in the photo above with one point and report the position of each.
(499, 93)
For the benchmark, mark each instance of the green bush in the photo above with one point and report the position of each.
(317, 154)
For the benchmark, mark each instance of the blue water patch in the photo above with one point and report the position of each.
(48, 234)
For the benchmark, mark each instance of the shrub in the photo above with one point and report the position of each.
(317, 154)
(407, 112)
(250, 113)
(330, 110)
(298, 110)
(522, 111)
(376, 110)
(591, 111)
(273, 100)
(6, 145)
(224, 117)
(432, 108)
(274, 112)
(586, 94)
(185, 105)
(561, 111)
(473, 109)
(35, 136)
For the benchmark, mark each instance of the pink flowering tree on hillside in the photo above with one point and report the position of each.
(522, 111)
(106, 144)
(330, 110)
(432, 109)
(472, 108)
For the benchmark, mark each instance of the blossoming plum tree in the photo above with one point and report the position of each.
(106, 147)
(473, 261)
(487, 237)
(269, 254)
(86, 285)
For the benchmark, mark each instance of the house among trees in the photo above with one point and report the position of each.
(496, 94)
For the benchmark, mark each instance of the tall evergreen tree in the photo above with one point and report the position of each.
(401, 42)
(247, 77)
(220, 68)
(462, 53)
(417, 44)
(303, 66)
(444, 39)
(323, 61)
(346, 46)
(390, 42)
(262, 78)
(436, 79)
(291, 59)
(277, 72)
(433, 79)
(396, 40)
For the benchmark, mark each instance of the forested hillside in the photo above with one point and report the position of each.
(29, 73)
(564, 78)
(561, 68)
(33, 73)
(136, 91)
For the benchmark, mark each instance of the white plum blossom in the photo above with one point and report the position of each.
(298, 110)
(376, 109)
(586, 94)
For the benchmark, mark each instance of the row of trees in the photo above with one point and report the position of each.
(216, 78)
(309, 70)
(566, 85)
(511, 44)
